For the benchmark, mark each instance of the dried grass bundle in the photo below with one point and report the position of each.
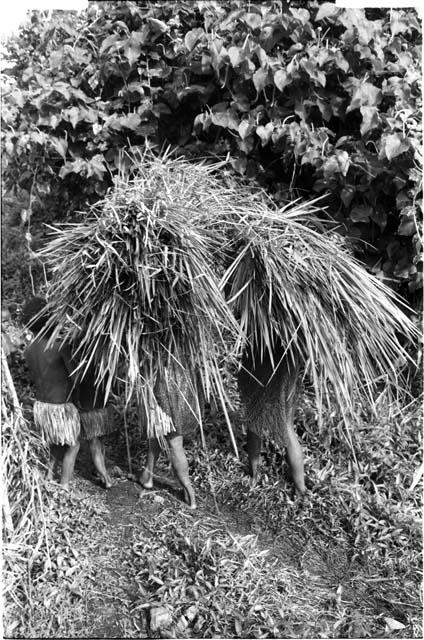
(292, 285)
(137, 285)
(134, 286)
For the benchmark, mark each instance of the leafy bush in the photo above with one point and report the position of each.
(318, 100)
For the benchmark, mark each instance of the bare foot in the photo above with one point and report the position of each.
(146, 479)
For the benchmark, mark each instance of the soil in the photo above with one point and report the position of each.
(128, 510)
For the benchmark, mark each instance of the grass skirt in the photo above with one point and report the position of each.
(58, 423)
(96, 423)
(173, 405)
(158, 423)
(269, 401)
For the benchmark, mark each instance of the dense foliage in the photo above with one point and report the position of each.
(306, 98)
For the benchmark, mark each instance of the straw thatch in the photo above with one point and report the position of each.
(298, 292)
(96, 422)
(136, 284)
(133, 286)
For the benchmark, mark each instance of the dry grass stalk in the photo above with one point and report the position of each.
(21, 500)
(133, 285)
(292, 284)
(136, 284)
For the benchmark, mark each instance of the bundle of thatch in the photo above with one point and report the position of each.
(133, 286)
(136, 286)
(296, 290)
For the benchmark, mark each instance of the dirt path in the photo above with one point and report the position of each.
(112, 603)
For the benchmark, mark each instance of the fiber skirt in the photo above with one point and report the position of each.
(58, 423)
(269, 399)
(96, 423)
(172, 406)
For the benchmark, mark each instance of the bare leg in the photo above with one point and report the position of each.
(253, 452)
(180, 466)
(98, 457)
(68, 464)
(153, 452)
(53, 459)
(295, 460)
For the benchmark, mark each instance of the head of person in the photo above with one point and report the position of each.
(34, 314)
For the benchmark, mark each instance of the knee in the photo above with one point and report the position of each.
(95, 446)
(177, 453)
(175, 443)
(74, 448)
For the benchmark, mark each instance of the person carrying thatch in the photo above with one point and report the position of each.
(175, 400)
(268, 391)
(64, 412)
(145, 267)
(96, 422)
(55, 415)
(306, 308)
(141, 266)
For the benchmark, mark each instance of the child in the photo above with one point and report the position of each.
(55, 415)
(57, 418)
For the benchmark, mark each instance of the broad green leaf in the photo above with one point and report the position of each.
(218, 54)
(236, 56)
(393, 144)
(337, 163)
(364, 94)
(265, 132)
(192, 37)
(60, 144)
(341, 61)
(130, 121)
(158, 26)
(370, 118)
(401, 22)
(132, 52)
(262, 56)
(302, 15)
(359, 27)
(77, 166)
(281, 79)
(136, 87)
(327, 10)
(245, 128)
(253, 20)
(260, 79)
(360, 213)
(310, 66)
(72, 115)
(408, 224)
(96, 166)
(226, 119)
(112, 40)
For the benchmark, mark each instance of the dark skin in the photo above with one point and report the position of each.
(179, 464)
(50, 369)
(175, 405)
